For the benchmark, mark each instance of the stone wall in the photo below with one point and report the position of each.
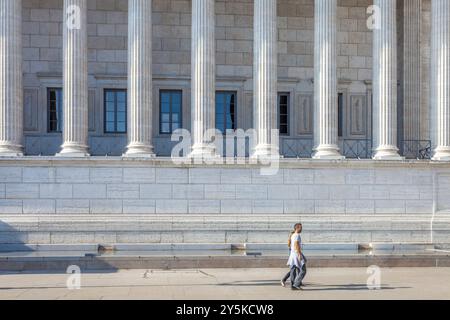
(134, 187)
(71, 201)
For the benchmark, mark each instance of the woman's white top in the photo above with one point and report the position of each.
(294, 258)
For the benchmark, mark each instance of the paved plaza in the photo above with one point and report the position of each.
(246, 284)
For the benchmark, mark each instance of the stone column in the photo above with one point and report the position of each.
(203, 77)
(140, 95)
(11, 87)
(265, 77)
(440, 78)
(385, 82)
(412, 15)
(75, 128)
(325, 81)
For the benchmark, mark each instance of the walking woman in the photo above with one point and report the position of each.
(288, 275)
(296, 261)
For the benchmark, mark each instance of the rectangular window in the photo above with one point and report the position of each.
(283, 113)
(171, 105)
(226, 111)
(55, 109)
(340, 115)
(115, 111)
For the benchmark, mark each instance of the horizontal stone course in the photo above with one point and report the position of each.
(214, 229)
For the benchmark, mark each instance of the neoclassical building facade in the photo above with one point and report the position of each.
(92, 91)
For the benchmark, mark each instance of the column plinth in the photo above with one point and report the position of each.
(140, 103)
(11, 83)
(325, 81)
(385, 82)
(203, 85)
(75, 128)
(265, 77)
(440, 78)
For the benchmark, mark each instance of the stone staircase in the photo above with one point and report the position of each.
(237, 230)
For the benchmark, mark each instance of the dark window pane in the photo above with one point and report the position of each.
(165, 117)
(121, 127)
(283, 113)
(165, 127)
(55, 105)
(165, 98)
(175, 126)
(176, 107)
(110, 117)
(110, 106)
(110, 96)
(110, 127)
(176, 99)
(340, 115)
(219, 106)
(121, 116)
(121, 107)
(121, 97)
(170, 111)
(165, 107)
(115, 111)
(225, 111)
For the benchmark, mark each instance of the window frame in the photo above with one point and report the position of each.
(105, 127)
(224, 120)
(61, 113)
(180, 122)
(288, 113)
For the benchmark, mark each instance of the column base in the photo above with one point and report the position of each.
(388, 153)
(70, 150)
(139, 151)
(203, 151)
(442, 154)
(11, 151)
(264, 151)
(327, 152)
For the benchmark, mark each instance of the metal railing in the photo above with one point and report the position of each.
(303, 148)
(356, 148)
(296, 148)
(417, 149)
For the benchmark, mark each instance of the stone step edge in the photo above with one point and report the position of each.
(212, 247)
(111, 263)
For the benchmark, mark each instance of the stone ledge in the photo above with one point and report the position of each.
(168, 162)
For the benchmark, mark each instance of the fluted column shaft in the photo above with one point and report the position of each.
(325, 80)
(265, 77)
(440, 78)
(412, 15)
(385, 82)
(203, 76)
(11, 86)
(140, 96)
(75, 79)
